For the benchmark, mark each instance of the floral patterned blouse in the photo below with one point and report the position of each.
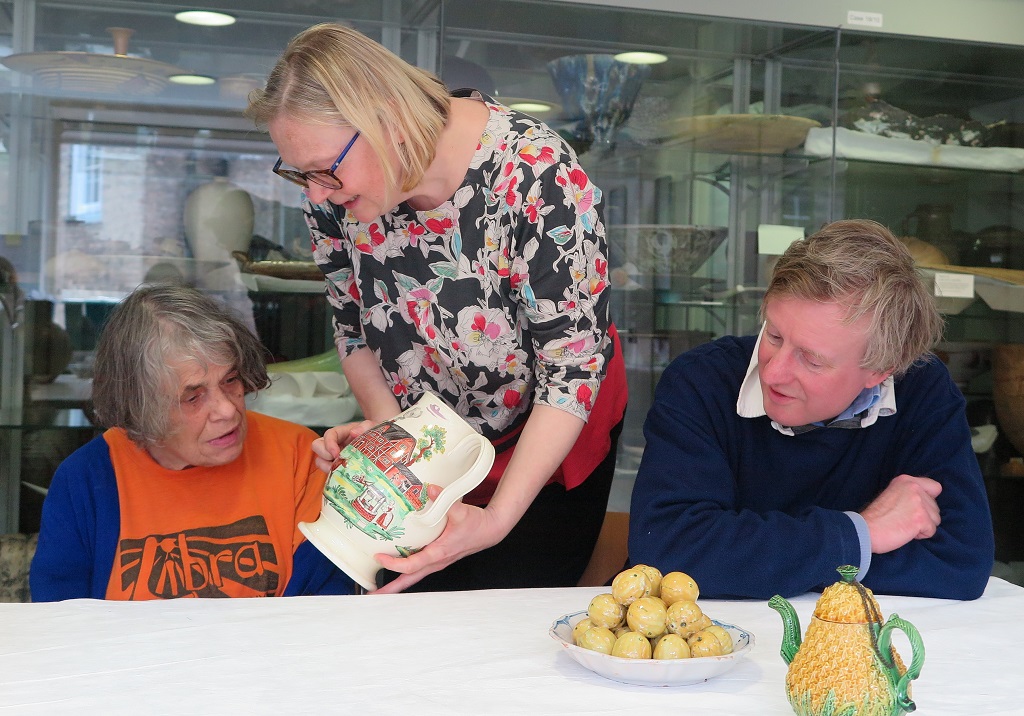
(494, 300)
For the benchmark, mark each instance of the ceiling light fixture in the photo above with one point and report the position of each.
(642, 58)
(205, 18)
(531, 107)
(193, 80)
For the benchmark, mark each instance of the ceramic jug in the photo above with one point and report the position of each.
(932, 223)
(995, 247)
(846, 663)
(376, 500)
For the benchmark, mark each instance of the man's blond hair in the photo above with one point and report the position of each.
(862, 266)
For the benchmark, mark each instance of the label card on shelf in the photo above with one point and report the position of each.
(866, 19)
(954, 285)
(774, 239)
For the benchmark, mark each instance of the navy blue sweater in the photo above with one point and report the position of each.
(749, 512)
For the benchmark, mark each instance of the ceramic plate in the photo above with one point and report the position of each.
(652, 672)
(757, 133)
(291, 270)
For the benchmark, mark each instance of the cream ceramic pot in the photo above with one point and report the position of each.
(219, 219)
(375, 500)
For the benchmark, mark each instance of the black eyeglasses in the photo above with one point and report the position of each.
(323, 177)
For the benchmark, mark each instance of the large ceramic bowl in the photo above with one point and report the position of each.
(665, 249)
(88, 72)
(1008, 391)
(652, 672)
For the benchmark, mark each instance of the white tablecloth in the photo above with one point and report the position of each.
(457, 653)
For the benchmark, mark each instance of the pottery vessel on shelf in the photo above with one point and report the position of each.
(599, 91)
(376, 499)
(666, 248)
(48, 346)
(1008, 391)
(219, 219)
(846, 663)
(923, 252)
(995, 247)
(932, 223)
(965, 360)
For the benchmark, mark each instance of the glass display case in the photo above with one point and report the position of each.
(729, 138)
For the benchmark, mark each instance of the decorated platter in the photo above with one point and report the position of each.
(292, 270)
(744, 133)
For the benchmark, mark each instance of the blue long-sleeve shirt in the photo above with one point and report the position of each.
(750, 512)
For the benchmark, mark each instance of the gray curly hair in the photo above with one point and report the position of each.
(135, 385)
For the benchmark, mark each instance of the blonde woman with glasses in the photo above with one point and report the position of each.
(465, 254)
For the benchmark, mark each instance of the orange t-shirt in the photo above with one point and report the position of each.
(227, 531)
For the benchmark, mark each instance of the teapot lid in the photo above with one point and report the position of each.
(848, 601)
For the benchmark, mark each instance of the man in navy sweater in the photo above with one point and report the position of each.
(833, 437)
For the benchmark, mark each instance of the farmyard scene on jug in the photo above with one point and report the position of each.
(376, 498)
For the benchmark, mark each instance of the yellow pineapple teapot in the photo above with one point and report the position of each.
(846, 665)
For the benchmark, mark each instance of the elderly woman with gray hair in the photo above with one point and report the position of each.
(186, 494)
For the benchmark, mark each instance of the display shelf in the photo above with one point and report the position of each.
(1006, 294)
(65, 418)
(842, 143)
(64, 389)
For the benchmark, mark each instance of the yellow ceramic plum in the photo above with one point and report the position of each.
(653, 576)
(683, 618)
(629, 585)
(677, 586)
(704, 643)
(598, 639)
(723, 637)
(581, 626)
(647, 616)
(632, 645)
(671, 646)
(605, 612)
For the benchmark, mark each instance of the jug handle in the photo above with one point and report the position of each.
(916, 661)
(473, 477)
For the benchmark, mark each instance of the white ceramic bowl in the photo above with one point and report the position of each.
(652, 672)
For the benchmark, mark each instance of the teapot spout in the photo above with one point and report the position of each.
(791, 627)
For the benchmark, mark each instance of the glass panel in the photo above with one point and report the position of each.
(686, 172)
(95, 176)
(105, 168)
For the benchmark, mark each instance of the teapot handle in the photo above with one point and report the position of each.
(916, 662)
(473, 477)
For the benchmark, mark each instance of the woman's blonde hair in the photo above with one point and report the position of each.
(861, 265)
(335, 76)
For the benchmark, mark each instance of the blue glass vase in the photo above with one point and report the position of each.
(598, 92)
